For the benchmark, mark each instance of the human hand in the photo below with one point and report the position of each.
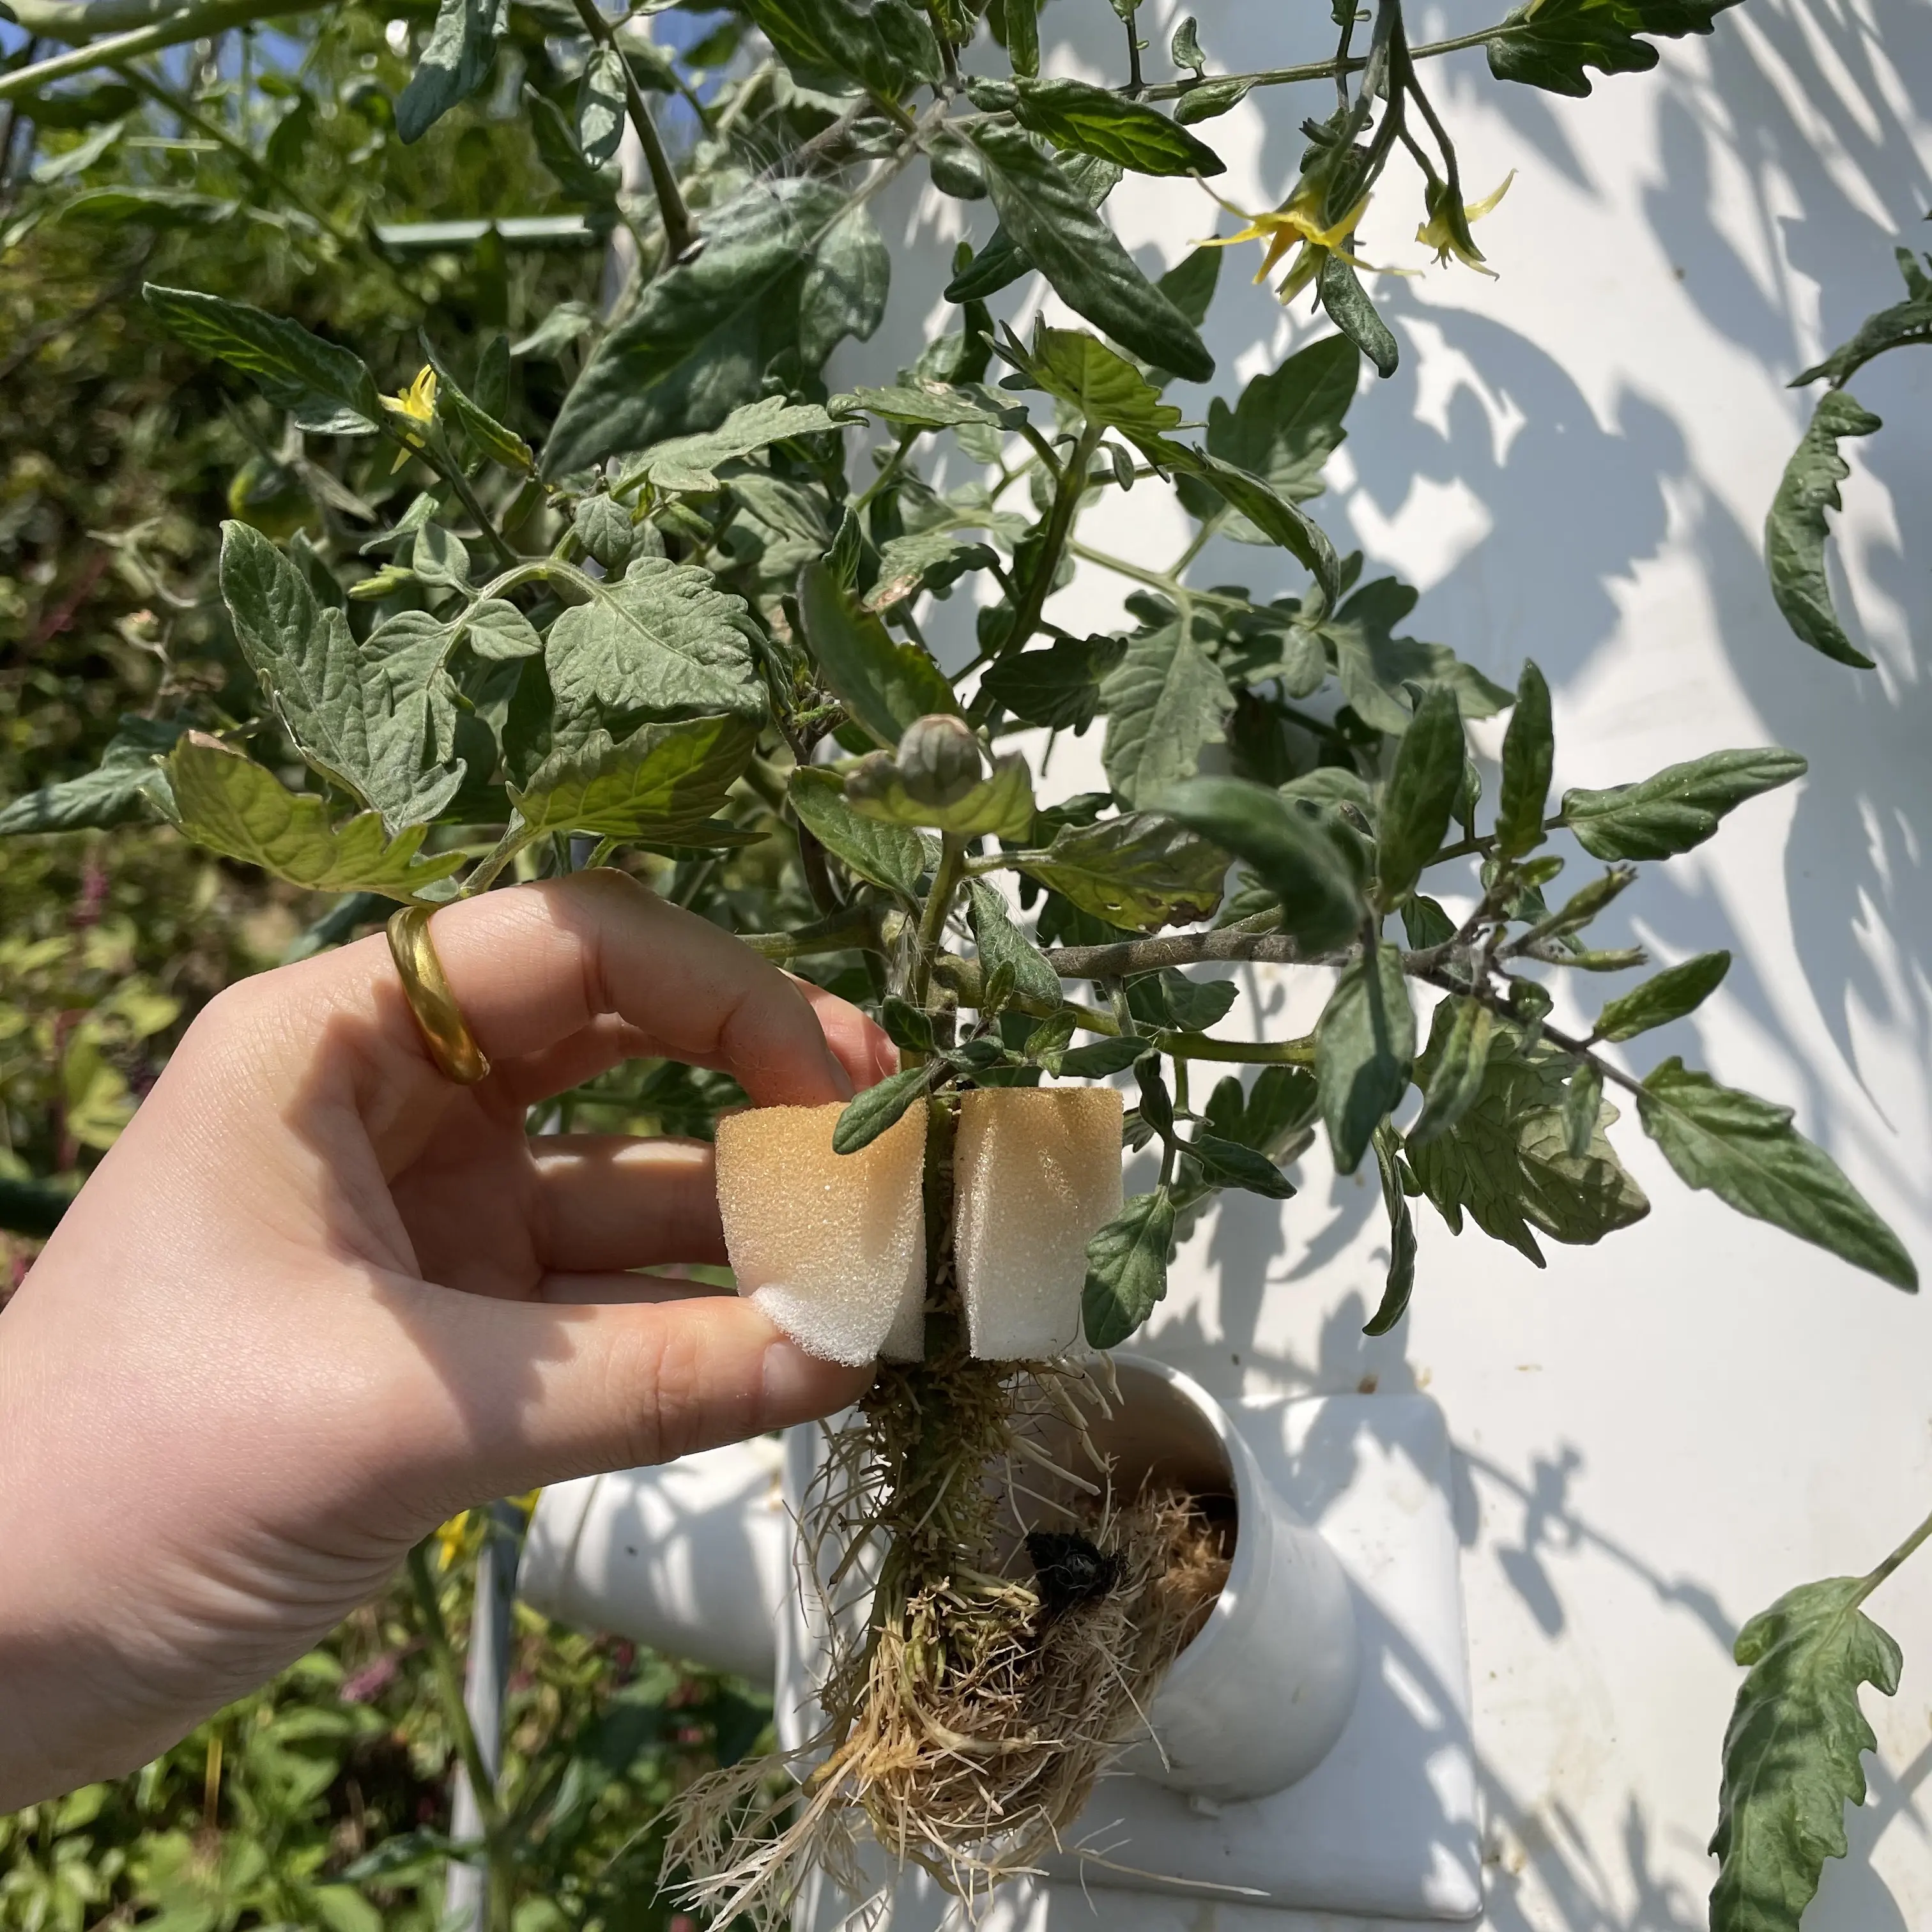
(318, 1298)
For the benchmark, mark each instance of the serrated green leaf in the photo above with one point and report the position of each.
(1285, 426)
(495, 628)
(1058, 687)
(885, 686)
(1583, 1101)
(1346, 304)
(690, 463)
(845, 286)
(1190, 283)
(1298, 847)
(1100, 1057)
(1375, 666)
(1226, 1163)
(1901, 326)
(231, 805)
(1165, 699)
(1211, 98)
(456, 62)
(1676, 991)
(1456, 1077)
(696, 344)
(329, 389)
(1058, 231)
(1746, 1151)
(600, 106)
(1508, 1161)
(1169, 999)
(440, 559)
(364, 718)
(111, 794)
(886, 49)
(1097, 120)
(1000, 805)
(659, 786)
(1141, 871)
(660, 642)
(921, 405)
(923, 560)
(1549, 43)
(868, 1115)
(1399, 1282)
(1022, 23)
(1420, 794)
(488, 436)
(597, 187)
(1678, 808)
(603, 526)
(1792, 1751)
(1001, 943)
(1794, 529)
(1126, 1269)
(1364, 1044)
(891, 855)
(1529, 757)
(1103, 385)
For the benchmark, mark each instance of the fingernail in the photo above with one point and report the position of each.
(794, 1384)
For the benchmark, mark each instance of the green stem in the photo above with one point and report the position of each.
(1892, 1562)
(1326, 69)
(483, 876)
(456, 1714)
(1067, 495)
(855, 928)
(1155, 579)
(1182, 1047)
(932, 919)
(680, 231)
(189, 23)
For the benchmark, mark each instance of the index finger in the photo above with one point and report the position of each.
(531, 965)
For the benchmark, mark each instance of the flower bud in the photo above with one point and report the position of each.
(939, 760)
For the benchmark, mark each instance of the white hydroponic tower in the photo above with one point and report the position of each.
(1653, 1439)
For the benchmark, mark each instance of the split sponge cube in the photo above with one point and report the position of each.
(831, 1247)
(1036, 1173)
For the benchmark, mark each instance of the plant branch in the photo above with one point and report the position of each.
(1122, 957)
(54, 19)
(680, 231)
(856, 927)
(1871, 1582)
(932, 920)
(1325, 69)
(1071, 487)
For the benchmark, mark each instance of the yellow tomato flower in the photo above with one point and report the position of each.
(1447, 230)
(415, 404)
(1296, 224)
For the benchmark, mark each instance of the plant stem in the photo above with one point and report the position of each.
(1877, 1577)
(456, 1714)
(855, 928)
(1067, 492)
(1182, 1047)
(680, 231)
(483, 875)
(189, 23)
(1325, 70)
(932, 920)
(1155, 579)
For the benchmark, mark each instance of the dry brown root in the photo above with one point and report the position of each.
(970, 1703)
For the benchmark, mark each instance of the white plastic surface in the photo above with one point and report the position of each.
(1386, 1824)
(689, 1557)
(1658, 1435)
(1259, 1697)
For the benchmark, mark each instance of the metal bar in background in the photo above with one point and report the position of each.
(466, 1891)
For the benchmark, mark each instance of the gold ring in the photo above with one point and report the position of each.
(451, 1045)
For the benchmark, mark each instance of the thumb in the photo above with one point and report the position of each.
(529, 1393)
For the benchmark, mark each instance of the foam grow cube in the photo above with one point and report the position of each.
(831, 1247)
(1036, 1173)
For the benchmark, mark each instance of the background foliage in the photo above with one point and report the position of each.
(546, 543)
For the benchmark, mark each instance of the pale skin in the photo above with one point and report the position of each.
(318, 1298)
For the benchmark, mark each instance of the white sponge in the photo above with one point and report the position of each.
(1036, 1173)
(832, 1247)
